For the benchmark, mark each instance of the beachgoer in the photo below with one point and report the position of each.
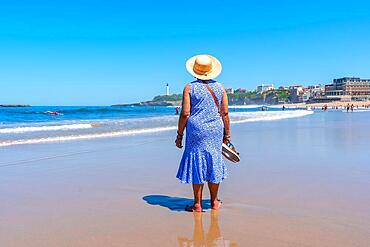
(347, 107)
(283, 108)
(177, 110)
(207, 126)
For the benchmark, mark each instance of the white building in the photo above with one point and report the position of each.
(167, 89)
(230, 90)
(264, 88)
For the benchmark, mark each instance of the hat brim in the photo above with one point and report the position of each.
(216, 68)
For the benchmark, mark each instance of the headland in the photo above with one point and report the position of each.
(13, 105)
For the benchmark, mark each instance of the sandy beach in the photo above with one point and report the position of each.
(301, 182)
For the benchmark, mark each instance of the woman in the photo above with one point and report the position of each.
(207, 126)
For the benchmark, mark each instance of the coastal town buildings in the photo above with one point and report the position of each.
(283, 88)
(264, 88)
(240, 90)
(343, 89)
(317, 91)
(348, 88)
(296, 93)
(230, 90)
(300, 94)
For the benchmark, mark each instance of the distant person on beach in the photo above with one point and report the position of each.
(324, 108)
(347, 107)
(207, 126)
(177, 110)
(283, 108)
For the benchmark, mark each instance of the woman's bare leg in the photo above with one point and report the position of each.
(213, 190)
(198, 190)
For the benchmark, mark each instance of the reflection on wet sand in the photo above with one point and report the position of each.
(213, 236)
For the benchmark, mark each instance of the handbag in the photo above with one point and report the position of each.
(228, 150)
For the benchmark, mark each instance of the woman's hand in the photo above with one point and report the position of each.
(178, 141)
(226, 139)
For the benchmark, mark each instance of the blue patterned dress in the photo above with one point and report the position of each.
(202, 159)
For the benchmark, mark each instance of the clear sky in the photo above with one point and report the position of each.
(105, 52)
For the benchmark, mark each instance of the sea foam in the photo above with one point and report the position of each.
(243, 117)
(123, 127)
(44, 128)
(85, 136)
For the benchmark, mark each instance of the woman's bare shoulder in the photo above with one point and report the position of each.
(221, 85)
(187, 88)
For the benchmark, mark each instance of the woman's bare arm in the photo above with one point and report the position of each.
(184, 115)
(225, 116)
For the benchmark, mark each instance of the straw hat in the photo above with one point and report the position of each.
(204, 67)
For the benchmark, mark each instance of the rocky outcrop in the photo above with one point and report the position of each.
(153, 103)
(14, 105)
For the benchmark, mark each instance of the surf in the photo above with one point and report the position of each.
(107, 128)
(15, 130)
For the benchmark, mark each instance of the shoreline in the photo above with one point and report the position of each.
(289, 105)
(76, 131)
(328, 104)
(114, 191)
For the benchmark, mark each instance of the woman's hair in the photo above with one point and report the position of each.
(204, 80)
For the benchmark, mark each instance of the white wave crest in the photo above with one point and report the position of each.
(169, 121)
(243, 117)
(85, 136)
(44, 128)
(244, 106)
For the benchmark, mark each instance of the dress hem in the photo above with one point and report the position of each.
(202, 182)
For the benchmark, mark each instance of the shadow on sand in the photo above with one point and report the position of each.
(174, 203)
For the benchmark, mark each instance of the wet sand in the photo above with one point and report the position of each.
(339, 104)
(301, 182)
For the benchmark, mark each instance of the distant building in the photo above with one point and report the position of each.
(241, 90)
(296, 94)
(167, 89)
(306, 95)
(229, 90)
(264, 88)
(283, 88)
(348, 88)
(317, 91)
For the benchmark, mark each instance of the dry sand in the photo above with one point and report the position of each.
(301, 182)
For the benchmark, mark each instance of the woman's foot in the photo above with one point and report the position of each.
(216, 204)
(196, 207)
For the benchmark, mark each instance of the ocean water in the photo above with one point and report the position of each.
(31, 125)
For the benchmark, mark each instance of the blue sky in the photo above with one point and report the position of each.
(106, 52)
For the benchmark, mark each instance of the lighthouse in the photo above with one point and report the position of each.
(167, 89)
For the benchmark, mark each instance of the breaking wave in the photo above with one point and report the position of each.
(104, 128)
(44, 128)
